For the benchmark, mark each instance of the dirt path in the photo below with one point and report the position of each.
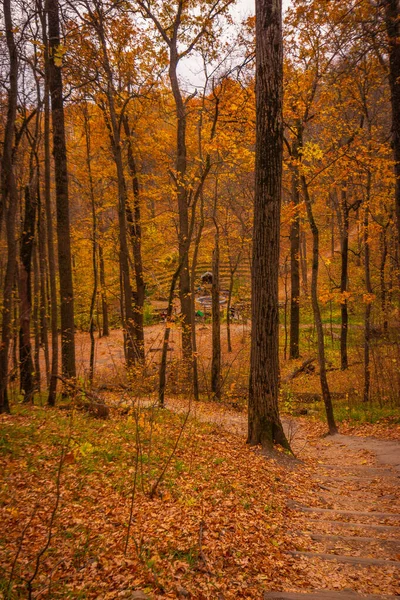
(345, 518)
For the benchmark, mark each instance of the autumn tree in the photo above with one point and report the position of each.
(181, 29)
(9, 202)
(264, 425)
(62, 198)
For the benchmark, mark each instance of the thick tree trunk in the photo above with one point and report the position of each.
(62, 199)
(295, 251)
(392, 14)
(317, 313)
(264, 425)
(25, 294)
(135, 229)
(9, 202)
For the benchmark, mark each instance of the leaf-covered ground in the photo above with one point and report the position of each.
(210, 516)
(214, 526)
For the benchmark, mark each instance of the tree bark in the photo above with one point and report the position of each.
(51, 399)
(181, 191)
(62, 199)
(25, 294)
(135, 229)
(264, 425)
(9, 203)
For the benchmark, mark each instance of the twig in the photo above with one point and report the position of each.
(133, 493)
(202, 556)
(25, 529)
(52, 518)
(168, 461)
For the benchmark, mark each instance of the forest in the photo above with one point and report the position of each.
(199, 299)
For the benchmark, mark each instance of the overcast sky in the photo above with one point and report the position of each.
(246, 7)
(190, 69)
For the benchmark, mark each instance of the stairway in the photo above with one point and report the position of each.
(353, 522)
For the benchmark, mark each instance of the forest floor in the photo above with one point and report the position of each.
(224, 521)
(174, 504)
(345, 523)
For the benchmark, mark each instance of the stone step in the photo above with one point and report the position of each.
(321, 537)
(355, 560)
(324, 595)
(389, 528)
(379, 515)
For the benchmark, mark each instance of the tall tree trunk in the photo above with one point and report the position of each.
(135, 229)
(216, 379)
(264, 425)
(285, 288)
(295, 250)
(36, 318)
(344, 252)
(326, 395)
(41, 234)
(25, 294)
(104, 305)
(62, 199)
(182, 197)
(51, 399)
(94, 242)
(174, 281)
(9, 203)
(196, 391)
(368, 299)
(127, 312)
(392, 14)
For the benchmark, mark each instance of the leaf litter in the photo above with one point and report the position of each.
(220, 525)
